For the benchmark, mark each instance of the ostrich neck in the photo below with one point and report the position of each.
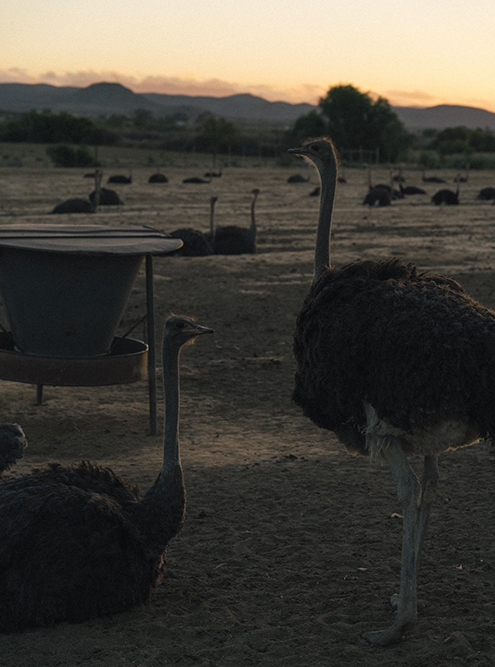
(161, 512)
(253, 219)
(212, 219)
(328, 177)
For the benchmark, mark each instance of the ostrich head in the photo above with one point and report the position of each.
(182, 330)
(12, 444)
(321, 152)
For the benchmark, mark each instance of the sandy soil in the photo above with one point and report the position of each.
(290, 550)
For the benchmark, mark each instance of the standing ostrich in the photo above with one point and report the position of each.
(394, 362)
(78, 542)
(446, 197)
(234, 240)
(12, 445)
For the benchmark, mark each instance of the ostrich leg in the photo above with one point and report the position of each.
(415, 499)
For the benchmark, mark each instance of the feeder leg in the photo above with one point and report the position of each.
(150, 319)
(39, 394)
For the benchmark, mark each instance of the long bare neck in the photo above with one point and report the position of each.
(161, 512)
(252, 226)
(328, 177)
(212, 217)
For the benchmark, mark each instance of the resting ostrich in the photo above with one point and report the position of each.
(197, 179)
(408, 189)
(107, 197)
(297, 178)
(120, 178)
(485, 194)
(78, 542)
(12, 445)
(431, 179)
(157, 178)
(76, 205)
(213, 174)
(446, 197)
(394, 362)
(234, 240)
(195, 243)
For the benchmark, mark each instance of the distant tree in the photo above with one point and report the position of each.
(143, 119)
(47, 128)
(462, 140)
(354, 120)
(67, 156)
(218, 131)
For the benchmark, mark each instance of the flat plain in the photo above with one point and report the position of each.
(290, 548)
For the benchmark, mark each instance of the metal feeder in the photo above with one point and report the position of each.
(64, 289)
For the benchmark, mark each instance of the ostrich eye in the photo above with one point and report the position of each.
(180, 325)
(316, 147)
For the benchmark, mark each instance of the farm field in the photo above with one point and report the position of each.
(290, 548)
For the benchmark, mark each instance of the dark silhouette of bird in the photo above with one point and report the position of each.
(431, 179)
(195, 243)
(395, 362)
(234, 240)
(76, 205)
(120, 178)
(315, 192)
(485, 194)
(197, 179)
(408, 189)
(446, 197)
(297, 178)
(77, 542)
(213, 174)
(107, 197)
(158, 178)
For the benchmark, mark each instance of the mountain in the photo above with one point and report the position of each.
(108, 98)
(445, 115)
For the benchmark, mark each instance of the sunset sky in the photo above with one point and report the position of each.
(421, 53)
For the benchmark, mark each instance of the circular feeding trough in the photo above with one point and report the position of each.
(65, 289)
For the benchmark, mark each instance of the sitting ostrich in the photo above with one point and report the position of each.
(446, 197)
(197, 179)
(120, 178)
(196, 243)
(408, 189)
(431, 179)
(395, 362)
(158, 178)
(297, 178)
(12, 445)
(234, 240)
(76, 205)
(107, 197)
(78, 542)
(486, 194)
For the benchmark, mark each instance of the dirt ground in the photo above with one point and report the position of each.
(291, 548)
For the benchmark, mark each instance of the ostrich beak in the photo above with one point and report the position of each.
(296, 151)
(199, 330)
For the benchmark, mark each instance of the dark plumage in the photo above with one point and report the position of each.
(297, 178)
(411, 190)
(157, 178)
(76, 205)
(78, 542)
(394, 362)
(485, 194)
(107, 197)
(197, 179)
(446, 197)
(378, 197)
(234, 240)
(120, 178)
(195, 243)
(431, 179)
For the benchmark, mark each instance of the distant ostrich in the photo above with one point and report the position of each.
(431, 179)
(197, 179)
(75, 205)
(234, 240)
(195, 243)
(78, 542)
(394, 362)
(409, 189)
(213, 174)
(107, 197)
(158, 178)
(120, 178)
(379, 195)
(315, 192)
(485, 194)
(12, 445)
(210, 235)
(297, 178)
(446, 197)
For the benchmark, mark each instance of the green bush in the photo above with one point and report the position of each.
(67, 156)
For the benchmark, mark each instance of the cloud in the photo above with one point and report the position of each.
(171, 85)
